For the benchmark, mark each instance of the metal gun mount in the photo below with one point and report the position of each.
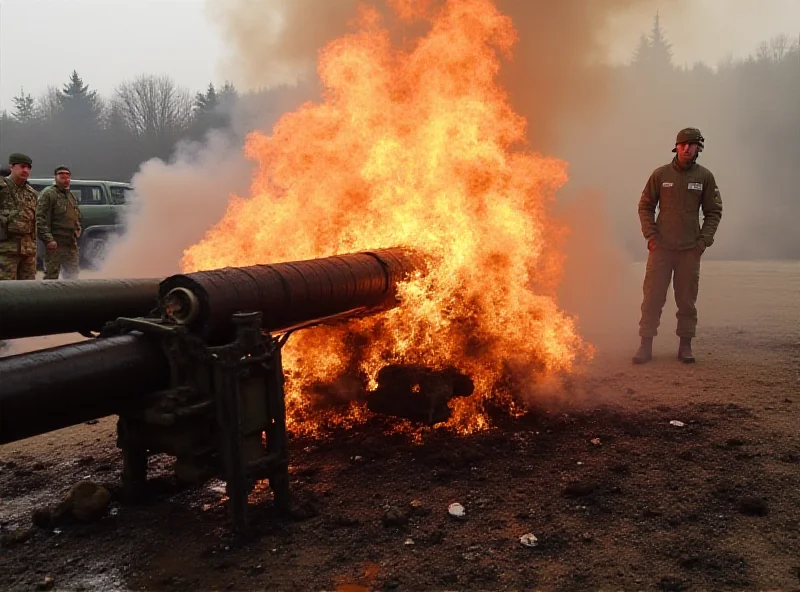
(201, 378)
(223, 413)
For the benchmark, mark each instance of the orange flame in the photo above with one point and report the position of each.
(415, 148)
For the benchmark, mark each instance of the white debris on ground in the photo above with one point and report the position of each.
(456, 510)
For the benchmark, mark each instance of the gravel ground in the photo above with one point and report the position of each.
(616, 495)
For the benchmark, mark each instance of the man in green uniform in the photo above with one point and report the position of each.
(58, 226)
(676, 241)
(17, 221)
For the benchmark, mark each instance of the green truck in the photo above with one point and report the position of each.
(102, 206)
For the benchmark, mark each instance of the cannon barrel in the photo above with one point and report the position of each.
(61, 386)
(32, 308)
(287, 294)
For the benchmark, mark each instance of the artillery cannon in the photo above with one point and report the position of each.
(201, 377)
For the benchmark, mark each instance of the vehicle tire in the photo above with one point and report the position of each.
(95, 251)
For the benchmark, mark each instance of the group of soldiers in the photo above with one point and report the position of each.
(53, 217)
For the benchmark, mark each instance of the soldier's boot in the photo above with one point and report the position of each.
(685, 354)
(645, 352)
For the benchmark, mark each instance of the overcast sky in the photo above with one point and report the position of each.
(109, 41)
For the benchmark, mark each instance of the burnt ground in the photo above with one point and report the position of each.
(617, 496)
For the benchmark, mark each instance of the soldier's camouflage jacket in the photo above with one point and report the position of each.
(680, 193)
(17, 219)
(58, 216)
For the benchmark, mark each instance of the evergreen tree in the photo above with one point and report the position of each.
(212, 110)
(24, 107)
(228, 94)
(80, 106)
(641, 55)
(654, 52)
(660, 47)
(205, 103)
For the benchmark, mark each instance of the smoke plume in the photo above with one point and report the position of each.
(274, 46)
(547, 74)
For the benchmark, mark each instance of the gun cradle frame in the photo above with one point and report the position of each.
(223, 414)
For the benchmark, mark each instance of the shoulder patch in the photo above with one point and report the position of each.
(696, 186)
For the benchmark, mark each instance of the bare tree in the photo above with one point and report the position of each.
(779, 46)
(775, 50)
(49, 104)
(763, 52)
(154, 108)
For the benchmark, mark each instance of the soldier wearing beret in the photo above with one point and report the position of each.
(676, 240)
(17, 221)
(59, 226)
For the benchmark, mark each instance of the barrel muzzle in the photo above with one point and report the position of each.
(181, 306)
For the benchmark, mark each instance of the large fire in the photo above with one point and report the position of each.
(414, 147)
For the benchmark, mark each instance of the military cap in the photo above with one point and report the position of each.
(19, 158)
(691, 135)
(61, 168)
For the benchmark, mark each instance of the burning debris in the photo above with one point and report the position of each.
(416, 147)
(418, 393)
(414, 392)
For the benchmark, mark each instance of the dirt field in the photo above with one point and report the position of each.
(712, 504)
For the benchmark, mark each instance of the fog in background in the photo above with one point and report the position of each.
(598, 81)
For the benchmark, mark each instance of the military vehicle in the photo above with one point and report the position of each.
(102, 205)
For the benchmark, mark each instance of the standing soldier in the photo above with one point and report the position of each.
(676, 241)
(58, 225)
(17, 221)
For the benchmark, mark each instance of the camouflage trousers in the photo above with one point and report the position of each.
(64, 257)
(683, 269)
(17, 267)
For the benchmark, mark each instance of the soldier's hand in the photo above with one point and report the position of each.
(52, 246)
(652, 243)
(700, 247)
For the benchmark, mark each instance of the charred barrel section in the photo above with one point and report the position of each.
(287, 294)
(32, 308)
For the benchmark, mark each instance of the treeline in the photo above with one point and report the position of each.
(110, 137)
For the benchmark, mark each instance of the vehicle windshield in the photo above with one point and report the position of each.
(38, 186)
(120, 195)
